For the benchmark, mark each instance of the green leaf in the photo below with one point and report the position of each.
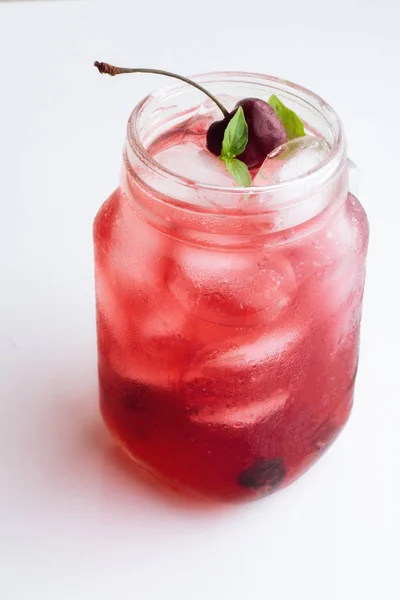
(238, 170)
(293, 125)
(235, 136)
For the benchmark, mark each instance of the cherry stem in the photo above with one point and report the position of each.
(112, 70)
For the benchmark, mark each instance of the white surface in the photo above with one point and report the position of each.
(74, 522)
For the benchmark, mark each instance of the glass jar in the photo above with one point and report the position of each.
(228, 319)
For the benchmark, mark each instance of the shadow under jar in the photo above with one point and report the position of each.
(228, 322)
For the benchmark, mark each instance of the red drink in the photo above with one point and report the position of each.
(228, 323)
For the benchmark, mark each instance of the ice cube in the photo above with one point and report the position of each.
(136, 365)
(253, 370)
(138, 254)
(232, 288)
(109, 304)
(244, 414)
(195, 163)
(265, 348)
(260, 354)
(208, 106)
(339, 282)
(292, 159)
(164, 333)
(153, 346)
(287, 162)
(336, 238)
(206, 113)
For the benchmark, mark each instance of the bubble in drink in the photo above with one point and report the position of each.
(292, 159)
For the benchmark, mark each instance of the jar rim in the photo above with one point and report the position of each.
(297, 92)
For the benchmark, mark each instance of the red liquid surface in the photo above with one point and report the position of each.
(227, 373)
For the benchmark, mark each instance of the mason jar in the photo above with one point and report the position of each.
(228, 318)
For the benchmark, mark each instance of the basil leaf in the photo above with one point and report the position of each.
(293, 125)
(238, 170)
(235, 136)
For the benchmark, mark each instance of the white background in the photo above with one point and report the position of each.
(75, 523)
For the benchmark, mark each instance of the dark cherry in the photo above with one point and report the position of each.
(215, 134)
(264, 472)
(266, 131)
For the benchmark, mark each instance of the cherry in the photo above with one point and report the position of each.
(263, 472)
(266, 131)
